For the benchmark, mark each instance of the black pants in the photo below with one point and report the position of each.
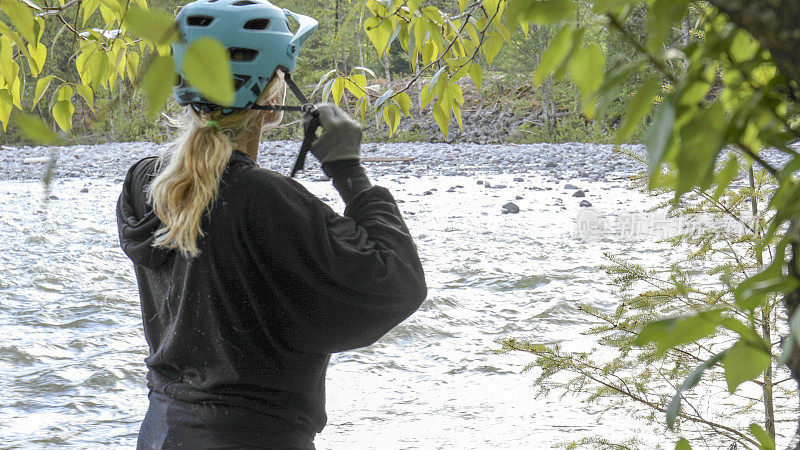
(171, 424)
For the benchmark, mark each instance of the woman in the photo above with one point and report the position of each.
(247, 281)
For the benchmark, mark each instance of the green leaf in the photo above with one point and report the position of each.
(16, 92)
(492, 46)
(753, 291)
(659, 136)
(14, 36)
(87, 94)
(604, 6)
(64, 93)
(8, 68)
(743, 47)
(420, 30)
(702, 139)
(338, 89)
(152, 24)
(89, 7)
(540, 12)
(404, 101)
(132, 65)
(683, 444)
(207, 67)
(62, 113)
(476, 73)
(554, 55)
(639, 107)
(744, 362)
(433, 13)
(425, 95)
(37, 58)
(41, 87)
(6, 104)
(21, 17)
(586, 69)
(490, 6)
(725, 176)
(157, 83)
(35, 129)
(379, 31)
(674, 407)
(766, 441)
(442, 117)
(356, 84)
(675, 331)
(391, 114)
(362, 69)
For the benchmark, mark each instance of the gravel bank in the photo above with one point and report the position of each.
(558, 161)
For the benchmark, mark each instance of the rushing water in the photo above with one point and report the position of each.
(71, 369)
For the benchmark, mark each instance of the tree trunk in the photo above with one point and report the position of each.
(358, 40)
(766, 317)
(386, 68)
(792, 303)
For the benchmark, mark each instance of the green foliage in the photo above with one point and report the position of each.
(658, 363)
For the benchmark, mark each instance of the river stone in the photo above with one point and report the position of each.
(579, 193)
(510, 208)
(585, 204)
(570, 187)
(551, 164)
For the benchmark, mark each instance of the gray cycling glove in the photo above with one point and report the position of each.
(340, 138)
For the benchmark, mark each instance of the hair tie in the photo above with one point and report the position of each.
(214, 124)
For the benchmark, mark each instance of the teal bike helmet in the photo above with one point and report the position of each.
(259, 40)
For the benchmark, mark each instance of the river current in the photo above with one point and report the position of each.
(71, 357)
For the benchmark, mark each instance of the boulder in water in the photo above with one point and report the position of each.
(579, 193)
(585, 204)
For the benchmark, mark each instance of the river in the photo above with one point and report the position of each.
(71, 358)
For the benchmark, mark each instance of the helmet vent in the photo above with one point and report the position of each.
(199, 21)
(244, 3)
(292, 24)
(239, 81)
(257, 24)
(238, 54)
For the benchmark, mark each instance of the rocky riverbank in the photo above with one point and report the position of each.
(557, 161)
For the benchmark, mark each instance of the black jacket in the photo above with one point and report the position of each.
(281, 282)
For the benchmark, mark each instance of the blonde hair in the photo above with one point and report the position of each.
(190, 170)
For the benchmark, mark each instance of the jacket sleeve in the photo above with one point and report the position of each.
(344, 281)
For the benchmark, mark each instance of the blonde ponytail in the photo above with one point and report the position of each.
(190, 170)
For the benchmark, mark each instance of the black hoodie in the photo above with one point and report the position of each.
(280, 283)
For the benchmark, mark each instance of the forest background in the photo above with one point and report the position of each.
(506, 108)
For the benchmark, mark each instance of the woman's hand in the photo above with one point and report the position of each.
(340, 138)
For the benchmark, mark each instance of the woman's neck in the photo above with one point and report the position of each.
(249, 144)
